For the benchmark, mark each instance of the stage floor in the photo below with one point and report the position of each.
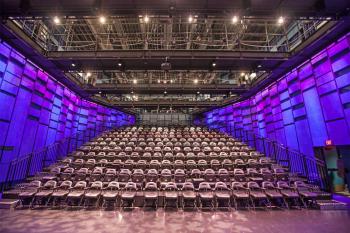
(82, 221)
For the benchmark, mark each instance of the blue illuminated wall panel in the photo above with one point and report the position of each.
(36, 110)
(302, 109)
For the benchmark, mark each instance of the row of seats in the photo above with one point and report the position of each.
(239, 195)
(179, 167)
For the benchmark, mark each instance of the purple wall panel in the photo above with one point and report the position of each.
(294, 110)
(36, 110)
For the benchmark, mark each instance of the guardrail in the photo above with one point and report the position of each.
(21, 168)
(313, 169)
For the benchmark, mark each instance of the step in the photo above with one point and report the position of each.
(331, 205)
(8, 203)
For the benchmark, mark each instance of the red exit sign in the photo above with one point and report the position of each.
(329, 142)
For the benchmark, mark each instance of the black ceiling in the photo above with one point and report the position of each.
(244, 7)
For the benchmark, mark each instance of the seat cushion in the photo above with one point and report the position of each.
(258, 195)
(75, 194)
(222, 195)
(308, 194)
(289, 194)
(60, 193)
(128, 195)
(273, 194)
(189, 195)
(44, 193)
(206, 196)
(110, 195)
(238, 194)
(171, 195)
(151, 195)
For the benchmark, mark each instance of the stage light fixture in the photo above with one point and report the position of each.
(280, 20)
(102, 19)
(235, 19)
(146, 19)
(56, 20)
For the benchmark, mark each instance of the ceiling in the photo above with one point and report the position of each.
(212, 47)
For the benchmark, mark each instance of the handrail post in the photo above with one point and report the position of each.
(305, 167)
(288, 158)
(29, 164)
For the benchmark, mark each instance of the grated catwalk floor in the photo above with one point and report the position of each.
(51, 221)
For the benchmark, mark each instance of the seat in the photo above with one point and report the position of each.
(280, 175)
(128, 195)
(274, 195)
(138, 177)
(96, 174)
(222, 195)
(239, 175)
(81, 174)
(58, 197)
(93, 195)
(224, 175)
(209, 175)
(42, 197)
(152, 175)
(308, 198)
(150, 193)
(188, 196)
(266, 174)
(75, 196)
(179, 177)
(110, 175)
(257, 195)
(124, 176)
(165, 176)
(67, 174)
(206, 196)
(171, 195)
(254, 175)
(27, 193)
(240, 195)
(110, 195)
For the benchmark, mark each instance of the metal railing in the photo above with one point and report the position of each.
(313, 169)
(21, 168)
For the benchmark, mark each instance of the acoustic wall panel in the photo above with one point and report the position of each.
(303, 108)
(36, 110)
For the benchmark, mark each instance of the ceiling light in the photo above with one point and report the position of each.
(242, 74)
(280, 20)
(88, 74)
(56, 20)
(158, 81)
(120, 64)
(198, 92)
(100, 92)
(146, 19)
(132, 92)
(234, 19)
(213, 64)
(190, 19)
(134, 81)
(165, 92)
(195, 81)
(171, 81)
(102, 19)
(259, 66)
(73, 65)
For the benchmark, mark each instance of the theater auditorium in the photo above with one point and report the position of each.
(174, 116)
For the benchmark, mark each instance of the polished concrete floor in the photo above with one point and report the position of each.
(51, 221)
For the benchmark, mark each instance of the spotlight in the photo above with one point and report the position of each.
(280, 20)
(259, 66)
(88, 74)
(198, 92)
(73, 65)
(242, 74)
(190, 19)
(100, 92)
(56, 20)
(158, 81)
(134, 81)
(146, 19)
(171, 81)
(234, 19)
(102, 19)
(165, 92)
(132, 92)
(252, 75)
(213, 64)
(120, 64)
(195, 81)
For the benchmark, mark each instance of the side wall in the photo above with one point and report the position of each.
(36, 110)
(304, 108)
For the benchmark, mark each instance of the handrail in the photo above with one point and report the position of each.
(21, 168)
(313, 169)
